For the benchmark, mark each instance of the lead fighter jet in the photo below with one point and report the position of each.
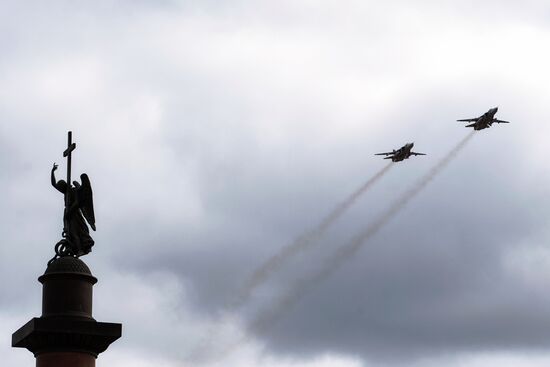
(484, 121)
(400, 154)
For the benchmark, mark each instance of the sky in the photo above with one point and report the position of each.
(218, 133)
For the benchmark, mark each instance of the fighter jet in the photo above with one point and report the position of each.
(484, 121)
(402, 153)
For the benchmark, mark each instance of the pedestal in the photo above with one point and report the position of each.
(66, 334)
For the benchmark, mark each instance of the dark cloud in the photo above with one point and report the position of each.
(431, 282)
(215, 134)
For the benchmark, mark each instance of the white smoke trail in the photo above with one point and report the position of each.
(275, 262)
(268, 318)
(302, 243)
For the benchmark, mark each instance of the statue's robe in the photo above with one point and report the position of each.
(77, 230)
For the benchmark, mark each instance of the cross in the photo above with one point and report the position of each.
(67, 153)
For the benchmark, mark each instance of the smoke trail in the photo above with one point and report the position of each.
(303, 242)
(263, 272)
(267, 319)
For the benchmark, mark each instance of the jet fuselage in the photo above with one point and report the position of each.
(400, 154)
(403, 153)
(484, 121)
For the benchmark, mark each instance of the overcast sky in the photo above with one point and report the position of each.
(217, 132)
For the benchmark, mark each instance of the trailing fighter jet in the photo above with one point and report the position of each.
(402, 153)
(484, 121)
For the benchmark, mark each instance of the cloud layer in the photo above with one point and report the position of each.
(215, 133)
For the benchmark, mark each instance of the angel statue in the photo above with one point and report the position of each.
(79, 208)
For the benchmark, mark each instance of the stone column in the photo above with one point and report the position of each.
(66, 335)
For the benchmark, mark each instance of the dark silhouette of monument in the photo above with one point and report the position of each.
(66, 335)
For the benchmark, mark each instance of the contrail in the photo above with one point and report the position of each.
(265, 270)
(303, 242)
(268, 318)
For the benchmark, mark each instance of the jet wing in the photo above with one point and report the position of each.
(389, 153)
(413, 153)
(467, 120)
(501, 121)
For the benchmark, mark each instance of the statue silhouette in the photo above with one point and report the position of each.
(79, 208)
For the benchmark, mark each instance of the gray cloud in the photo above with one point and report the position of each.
(214, 134)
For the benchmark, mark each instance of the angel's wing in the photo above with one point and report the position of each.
(85, 198)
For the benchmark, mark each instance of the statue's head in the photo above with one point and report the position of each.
(62, 185)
